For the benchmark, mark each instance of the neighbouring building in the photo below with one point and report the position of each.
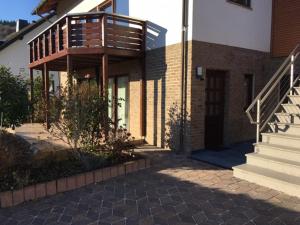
(14, 49)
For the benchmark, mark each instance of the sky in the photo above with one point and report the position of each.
(18, 9)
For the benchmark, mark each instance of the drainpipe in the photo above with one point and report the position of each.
(184, 66)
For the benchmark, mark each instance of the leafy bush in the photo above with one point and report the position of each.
(39, 104)
(14, 151)
(14, 102)
(83, 119)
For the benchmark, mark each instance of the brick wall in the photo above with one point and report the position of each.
(236, 62)
(163, 92)
(133, 69)
(163, 75)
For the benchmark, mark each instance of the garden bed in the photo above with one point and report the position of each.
(25, 175)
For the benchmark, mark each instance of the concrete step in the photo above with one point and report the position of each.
(276, 164)
(291, 108)
(278, 151)
(294, 99)
(278, 181)
(287, 128)
(281, 139)
(288, 117)
(297, 90)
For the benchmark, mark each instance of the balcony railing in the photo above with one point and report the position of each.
(89, 30)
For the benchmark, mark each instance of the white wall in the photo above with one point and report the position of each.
(217, 21)
(85, 6)
(165, 19)
(164, 15)
(16, 56)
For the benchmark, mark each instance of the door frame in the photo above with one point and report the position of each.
(115, 98)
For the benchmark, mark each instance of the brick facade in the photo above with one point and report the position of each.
(164, 86)
(236, 62)
(163, 92)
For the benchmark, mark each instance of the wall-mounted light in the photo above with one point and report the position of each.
(200, 72)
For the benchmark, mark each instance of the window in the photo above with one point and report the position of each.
(249, 88)
(118, 95)
(246, 3)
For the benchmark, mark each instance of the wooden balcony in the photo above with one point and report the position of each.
(86, 36)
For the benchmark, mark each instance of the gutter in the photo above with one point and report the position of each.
(184, 67)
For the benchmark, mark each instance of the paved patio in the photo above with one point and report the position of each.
(174, 191)
(40, 139)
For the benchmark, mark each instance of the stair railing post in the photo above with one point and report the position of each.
(292, 73)
(258, 121)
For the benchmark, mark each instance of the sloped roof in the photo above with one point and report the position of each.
(19, 35)
(45, 6)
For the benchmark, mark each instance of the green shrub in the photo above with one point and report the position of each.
(14, 151)
(14, 102)
(82, 118)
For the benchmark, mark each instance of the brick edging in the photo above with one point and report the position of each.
(41, 190)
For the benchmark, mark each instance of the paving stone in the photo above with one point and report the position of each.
(175, 191)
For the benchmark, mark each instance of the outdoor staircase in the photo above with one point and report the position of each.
(276, 160)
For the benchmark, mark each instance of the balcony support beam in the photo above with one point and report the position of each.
(143, 83)
(143, 97)
(105, 75)
(70, 73)
(31, 94)
(47, 97)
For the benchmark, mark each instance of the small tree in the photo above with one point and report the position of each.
(82, 118)
(14, 103)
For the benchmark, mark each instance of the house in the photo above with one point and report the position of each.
(14, 49)
(230, 51)
(187, 69)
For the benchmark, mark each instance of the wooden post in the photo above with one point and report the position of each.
(98, 80)
(68, 33)
(33, 51)
(104, 40)
(143, 97)
(105, 90)
(70, 74)
(58, 37)
(47, 98)
(143, 83)
(43, 84)
(38, 48)
(44, 45)
(105, 75)
(31, 94)
(50, 42)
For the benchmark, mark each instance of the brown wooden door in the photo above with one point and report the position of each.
(214, 115)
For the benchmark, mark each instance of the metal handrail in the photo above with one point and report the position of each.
(278, 105)
(268, 90)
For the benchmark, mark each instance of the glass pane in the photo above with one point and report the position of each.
(110, 97)
(123, 101)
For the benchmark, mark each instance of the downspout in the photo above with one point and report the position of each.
(184, 67)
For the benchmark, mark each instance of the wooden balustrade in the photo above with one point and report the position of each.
(90, 30)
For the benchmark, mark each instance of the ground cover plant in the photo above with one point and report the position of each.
(20, 166)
